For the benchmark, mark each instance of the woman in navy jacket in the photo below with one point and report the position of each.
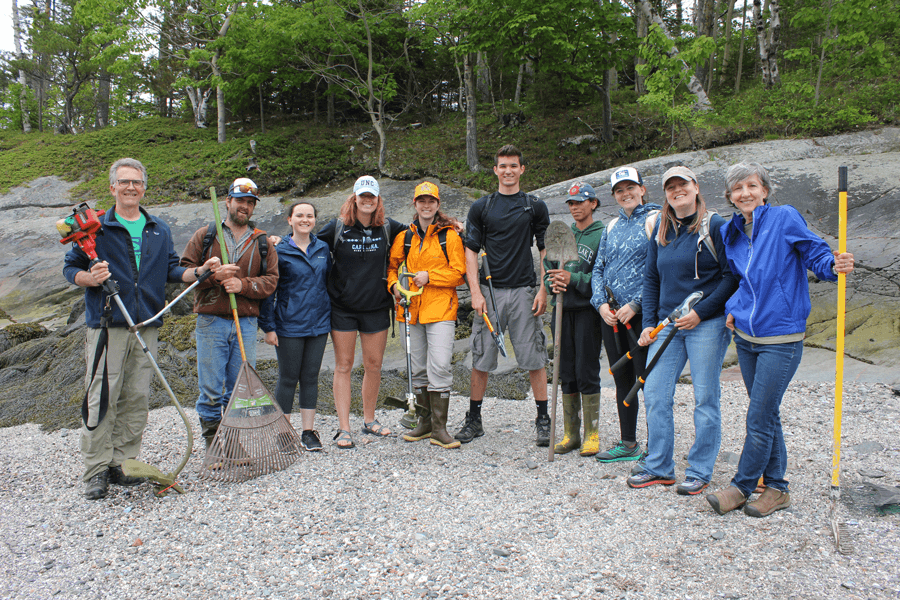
(297, 317)
(769, 250)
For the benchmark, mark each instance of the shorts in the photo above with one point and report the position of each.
(371, 321)
(524, 330)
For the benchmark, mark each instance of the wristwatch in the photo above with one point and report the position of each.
(197, 273)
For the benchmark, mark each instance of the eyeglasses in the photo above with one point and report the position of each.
(244, 189)
(137, 183)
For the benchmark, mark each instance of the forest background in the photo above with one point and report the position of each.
(328, 89)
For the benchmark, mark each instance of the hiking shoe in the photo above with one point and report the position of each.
(97, 486)
(542, 426)
(726, 500)
(768, 502)
(470, 430)
(691, 487)
(646, 478)
(309, 439)
(621, 452)
(641, 461)
(118, 477)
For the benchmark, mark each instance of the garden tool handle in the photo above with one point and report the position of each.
(642, 380)
(403, 273)
(221, 236)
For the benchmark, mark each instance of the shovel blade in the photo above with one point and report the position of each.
(501, 343)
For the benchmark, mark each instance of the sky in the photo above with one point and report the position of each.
(6, 28)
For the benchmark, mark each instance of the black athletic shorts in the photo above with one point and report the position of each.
(372, 321)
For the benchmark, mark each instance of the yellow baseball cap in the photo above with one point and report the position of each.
(426, 188)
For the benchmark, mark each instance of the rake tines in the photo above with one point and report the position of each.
(254, 437)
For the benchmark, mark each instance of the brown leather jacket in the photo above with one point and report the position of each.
(211, 298)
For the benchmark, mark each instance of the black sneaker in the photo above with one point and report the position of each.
(118, 477)
(691, 487)
(309, 439)
(646, 478)
(542, 425)
(97, 486)
(470, 430)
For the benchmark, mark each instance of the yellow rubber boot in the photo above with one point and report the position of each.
(571, 423)
(591, 408)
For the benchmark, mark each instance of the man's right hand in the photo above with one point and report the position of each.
(226, 272)
(100, 272)
(478, 304)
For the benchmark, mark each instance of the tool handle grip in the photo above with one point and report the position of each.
(658, 328)
(485, 266)
(632, 394)
(621, 362)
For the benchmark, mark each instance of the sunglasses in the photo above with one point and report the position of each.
(137, 183)
(244, 189)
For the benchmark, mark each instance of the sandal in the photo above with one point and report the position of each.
(376, 428)
(344, 439)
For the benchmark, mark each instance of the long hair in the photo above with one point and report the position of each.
(442, 220)
(668, 217)
(349, 217)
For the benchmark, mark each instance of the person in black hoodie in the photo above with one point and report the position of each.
(360, 242)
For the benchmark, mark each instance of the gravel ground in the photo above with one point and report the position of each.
(390, 519)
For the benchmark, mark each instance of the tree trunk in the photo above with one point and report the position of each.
(641, 24)
(471, 133)
(262, 120)
(23, 82)
(103, 85)
(519, 78)
(768, 38)
(607, 105)
(703, 23)
(220, 114)
(329, 115)
(740, 68)
(702, 102)
(484, 79)
(726, 57)
(199, 104)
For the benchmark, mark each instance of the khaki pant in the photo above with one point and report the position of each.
(118, 436)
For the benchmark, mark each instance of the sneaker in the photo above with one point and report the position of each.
(621, 452)
(97, 486)
(118, 477)
(646, 478)
(542, 425)
(470, 430)
(309, 439)
(691, 487)
(641, 461)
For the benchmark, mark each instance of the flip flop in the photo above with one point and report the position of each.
(376, 428)
(344, 436)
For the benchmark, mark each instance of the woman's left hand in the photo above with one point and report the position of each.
(843, 263)
(624, 313)
(272, 338)
(689, 321)
(421, 279)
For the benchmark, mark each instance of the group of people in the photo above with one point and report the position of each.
(635, 273)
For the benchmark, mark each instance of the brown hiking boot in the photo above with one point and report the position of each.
(726, 500)
(423, 409)
(768, 502)
(440, 404)
(571, 423)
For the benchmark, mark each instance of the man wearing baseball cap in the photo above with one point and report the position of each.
(251, 275)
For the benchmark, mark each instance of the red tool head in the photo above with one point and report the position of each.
(81, 227)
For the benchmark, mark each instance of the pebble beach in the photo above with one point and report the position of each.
(494, 519)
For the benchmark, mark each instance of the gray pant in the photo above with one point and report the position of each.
(432, 350)
(118, 436)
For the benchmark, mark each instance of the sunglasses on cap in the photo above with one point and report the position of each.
(244, 189)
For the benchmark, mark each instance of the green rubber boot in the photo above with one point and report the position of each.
(571, 424)
(590, 404)
(422, 430)
(208, 430)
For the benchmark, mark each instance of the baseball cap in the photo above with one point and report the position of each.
(243, 188)
(580, 192)
(678, 171)
(626, 174)
(366, 185)
(426, 188)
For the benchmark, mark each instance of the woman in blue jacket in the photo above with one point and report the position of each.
(769, 250)
(686, 255)
(297, 317)
(619, 268)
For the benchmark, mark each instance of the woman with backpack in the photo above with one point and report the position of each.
(360, 241)
(617, 280)
(297, 318)
(431, 252)
(686, 255)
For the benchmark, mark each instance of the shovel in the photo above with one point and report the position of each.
(561, 248)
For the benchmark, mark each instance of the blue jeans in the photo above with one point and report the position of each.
(767, 370)
(705, 347)
(219, 361)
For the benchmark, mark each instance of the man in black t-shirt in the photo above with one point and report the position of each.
(506, 224)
